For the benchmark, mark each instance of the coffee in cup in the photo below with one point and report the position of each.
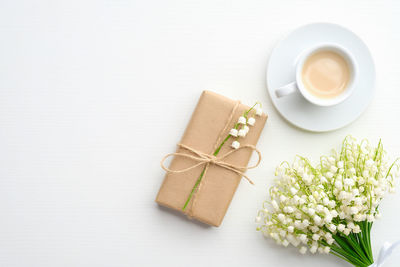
(324, 75)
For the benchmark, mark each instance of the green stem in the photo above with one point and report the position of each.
(391, 166)
(354, 248)
(351, 258)
(193, 189)
(202, 173)
(220, 146)
(364, 240)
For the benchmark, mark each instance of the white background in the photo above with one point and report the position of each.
(94, 93)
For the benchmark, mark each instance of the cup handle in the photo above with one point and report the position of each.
(286, 90)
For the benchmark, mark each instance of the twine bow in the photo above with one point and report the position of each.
(204, 158)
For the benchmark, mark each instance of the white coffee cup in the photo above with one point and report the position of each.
(298, 85)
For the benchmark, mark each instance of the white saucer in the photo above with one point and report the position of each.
(281, 71)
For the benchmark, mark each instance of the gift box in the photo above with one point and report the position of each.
(207, 199)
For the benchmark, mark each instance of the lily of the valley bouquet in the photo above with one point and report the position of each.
(330, 208)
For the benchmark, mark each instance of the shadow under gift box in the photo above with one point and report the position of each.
(210, 124)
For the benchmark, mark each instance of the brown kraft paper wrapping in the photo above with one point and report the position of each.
(207, 128)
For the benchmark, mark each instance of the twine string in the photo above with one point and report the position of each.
(203, 158)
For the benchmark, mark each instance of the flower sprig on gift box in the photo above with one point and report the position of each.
(244, 121)
(330, 208)
(240, 129)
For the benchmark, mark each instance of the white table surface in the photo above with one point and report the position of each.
(94, 93)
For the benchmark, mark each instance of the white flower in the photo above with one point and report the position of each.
(281, 217)
(332, 227)
(233, 132)
(311, 211)
(235, 144)
(290, 229)
(342, 215)
(328, 218)
(258, 111)
(329, 175)
(258, 219)
(349, 182)
(358, 217)
(303, 238)
(356, 229)
(369, 163)
(338, 184)
(306, 223)
(353, 210)
(242, 120)
(332, 204)
(251, 121)
(331, 160)
(298, 224)
(288, 209)
(343, 195)
(313, 249)
(285, 243)
(316, 237)
(370, 218)
(303, 250)
(358, 201)
(293, 240)
(341, 227)
(334, 213)
(327, 250)
(346, 231)
(294, 192)
(317, 220)
(242, 133)
(246, 128)
(275, 205)
(355, 192)
(282, 233)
